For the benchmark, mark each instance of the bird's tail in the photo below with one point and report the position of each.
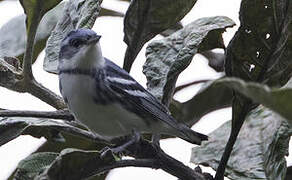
(191, 136)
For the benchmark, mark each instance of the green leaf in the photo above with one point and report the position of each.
(168, 57)
(278, 100)
(109, 12)
(76, 164)
(11, 128)
(9, 74)
(172, 29)
(212, 96)
(216, 60)
(262, 46)
(71, 142)
(259, 51)
(259, 152)
(147, 18)
(33, 165)
(35, 10)
(13, 34)
(76, 14)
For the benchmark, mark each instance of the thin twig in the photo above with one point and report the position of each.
(27, 59)
(178, 88)
(61, 114)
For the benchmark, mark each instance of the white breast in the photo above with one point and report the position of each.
(107, 120)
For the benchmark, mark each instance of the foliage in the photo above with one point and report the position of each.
(256, 159)
(258, 59)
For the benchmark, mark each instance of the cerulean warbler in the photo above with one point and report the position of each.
(106, 98)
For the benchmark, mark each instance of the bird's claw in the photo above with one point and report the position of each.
(111, 152)
(118, 152)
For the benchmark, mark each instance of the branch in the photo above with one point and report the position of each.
(150, 163)
(13, 79)
(61, 114)
(145, 150)
(146, 154)
(23, 80)
(46, 95)
(240, 108)
(84, 133)
(31, 33)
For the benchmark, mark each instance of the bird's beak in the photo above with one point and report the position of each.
(94, 39)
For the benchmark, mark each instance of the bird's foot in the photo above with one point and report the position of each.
(156, 139)
(119, 151)
(110, 152)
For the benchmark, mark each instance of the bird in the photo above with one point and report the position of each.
(106, 98)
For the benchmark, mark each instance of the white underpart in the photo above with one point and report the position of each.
(120, 80)
(107, 120)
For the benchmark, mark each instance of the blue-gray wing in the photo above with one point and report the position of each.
(134, 97)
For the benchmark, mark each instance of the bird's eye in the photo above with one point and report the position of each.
(76, 43)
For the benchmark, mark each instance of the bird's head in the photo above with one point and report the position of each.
(80, 49)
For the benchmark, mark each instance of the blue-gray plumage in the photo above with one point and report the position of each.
(106, 98)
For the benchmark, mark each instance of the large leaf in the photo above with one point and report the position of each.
(11, 128)
(168, 57)
(259, 51)
(76, 14)
(35, 10)
(33, 165)
(109, 12)
(73, 142)
(75, 164)
(13, 34)
(68, 164)
(259, 152)
(216, 60)
(147, 18)
(262, 46)
(278, 100)
(56, 147)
